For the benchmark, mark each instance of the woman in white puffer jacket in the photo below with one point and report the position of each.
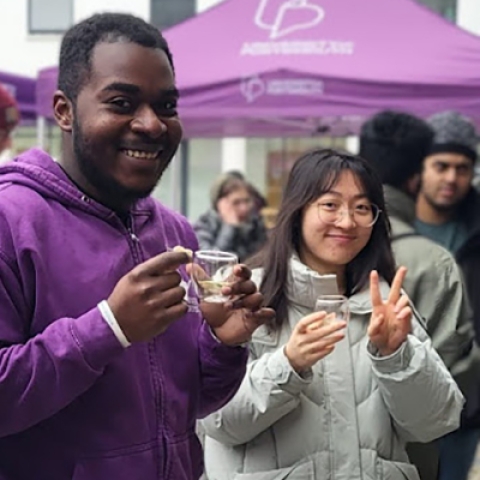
(323, 401)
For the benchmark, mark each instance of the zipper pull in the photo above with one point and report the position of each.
(130, 230)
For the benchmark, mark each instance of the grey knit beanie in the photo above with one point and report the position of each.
(454, 133)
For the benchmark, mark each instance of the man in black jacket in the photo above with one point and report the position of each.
(448, 212)
(396, 143)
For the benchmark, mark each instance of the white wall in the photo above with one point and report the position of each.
(25, 54)
(85, 8)
(20, 52)
(205, 4)
(468, 15)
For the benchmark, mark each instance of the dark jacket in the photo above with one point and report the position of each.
(468, 255)
(243, 240)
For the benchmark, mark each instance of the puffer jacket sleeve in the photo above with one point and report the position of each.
(270, 390)
(222, 370)
(424, 401)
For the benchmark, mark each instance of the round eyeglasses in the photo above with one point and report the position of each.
(363, 215)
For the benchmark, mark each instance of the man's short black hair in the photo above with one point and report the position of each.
(80, 40)
(395, 143)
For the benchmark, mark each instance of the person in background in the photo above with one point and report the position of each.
(107, 357)
(232, 224)
(259, 200)
(323, 399)
(9, 118)
(268, 214)
(448, 212)
(395, 143)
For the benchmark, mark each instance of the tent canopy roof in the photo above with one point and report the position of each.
(303, 67)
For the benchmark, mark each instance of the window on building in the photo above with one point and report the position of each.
(49, 16)
(446, 8)
(166, 13)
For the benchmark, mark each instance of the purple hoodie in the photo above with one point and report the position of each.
(74, 404)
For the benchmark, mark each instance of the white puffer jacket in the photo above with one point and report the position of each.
(348, 419)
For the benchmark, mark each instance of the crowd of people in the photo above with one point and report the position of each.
(110, 363)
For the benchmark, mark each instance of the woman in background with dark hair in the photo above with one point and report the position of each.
(323, 400)
(233, 223)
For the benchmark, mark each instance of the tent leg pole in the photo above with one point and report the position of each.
(41, 124)
(184, 163)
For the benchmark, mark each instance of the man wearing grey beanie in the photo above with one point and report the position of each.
(396, 143)
(448, 212)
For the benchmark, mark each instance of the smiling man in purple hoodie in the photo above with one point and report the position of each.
(106, 357)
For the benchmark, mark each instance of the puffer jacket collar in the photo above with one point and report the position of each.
(305, 285)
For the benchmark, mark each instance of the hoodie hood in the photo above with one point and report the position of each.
(38, 171)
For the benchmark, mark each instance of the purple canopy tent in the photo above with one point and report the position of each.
(23, 89)
(303, 67)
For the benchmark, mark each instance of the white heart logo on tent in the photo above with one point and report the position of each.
(292, 16)
(252, 88)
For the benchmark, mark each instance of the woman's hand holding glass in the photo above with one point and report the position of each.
(391, 321)
(313, 339)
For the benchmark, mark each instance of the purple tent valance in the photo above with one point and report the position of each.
(306, 67)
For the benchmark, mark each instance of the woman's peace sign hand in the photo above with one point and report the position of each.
(391, 321)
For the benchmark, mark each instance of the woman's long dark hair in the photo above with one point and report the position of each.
(313, 175)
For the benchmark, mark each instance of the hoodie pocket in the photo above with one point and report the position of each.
(184, 458)
(397, 470)
(304, 471)
(127, 464)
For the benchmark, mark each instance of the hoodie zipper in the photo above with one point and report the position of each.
(134, 243)
(130, 229)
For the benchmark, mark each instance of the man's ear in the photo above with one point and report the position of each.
(63, 111)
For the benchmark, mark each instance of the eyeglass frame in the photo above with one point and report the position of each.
(341, 214)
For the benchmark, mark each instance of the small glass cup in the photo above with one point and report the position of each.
(213, 270)
(335, 306)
